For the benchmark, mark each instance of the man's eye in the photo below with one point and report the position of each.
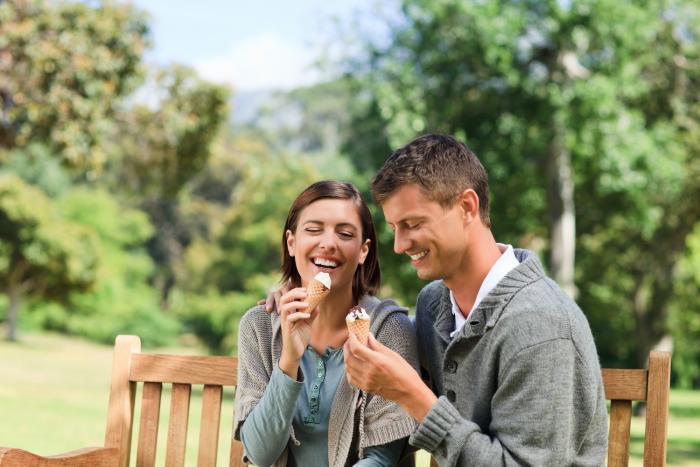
(413, 226)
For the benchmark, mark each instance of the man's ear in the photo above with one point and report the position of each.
(364, 251)
(290, 242)
(469, 204)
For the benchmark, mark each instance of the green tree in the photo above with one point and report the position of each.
(584, 113)
(63, 68)
(40, 254)
(161, 148)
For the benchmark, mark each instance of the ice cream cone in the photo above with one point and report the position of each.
(357, 321)
(359, 327)
(315, 292)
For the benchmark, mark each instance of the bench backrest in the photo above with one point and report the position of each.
(650, 386)
(131, 367)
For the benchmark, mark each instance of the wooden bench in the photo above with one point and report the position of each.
(131, 367)
(650, 386)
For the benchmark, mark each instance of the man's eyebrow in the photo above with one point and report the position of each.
(409, 218)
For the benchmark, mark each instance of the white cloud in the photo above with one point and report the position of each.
(265, 61)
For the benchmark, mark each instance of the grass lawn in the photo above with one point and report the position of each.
(54, 392)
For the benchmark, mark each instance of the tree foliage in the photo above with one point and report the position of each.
(64, 66)
(584, 108)
(41, 254)
(163, 148)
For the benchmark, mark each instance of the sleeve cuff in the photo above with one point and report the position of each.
(281, 382)
(435, 426)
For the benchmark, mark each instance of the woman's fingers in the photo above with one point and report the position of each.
(299, 315)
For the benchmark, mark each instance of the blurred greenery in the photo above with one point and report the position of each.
(130, 203)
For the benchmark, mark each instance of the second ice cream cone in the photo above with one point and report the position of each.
(360, 328)
(357, 321)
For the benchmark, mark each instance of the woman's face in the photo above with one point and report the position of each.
(328, 238)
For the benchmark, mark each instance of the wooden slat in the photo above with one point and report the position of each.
(625, 384)
(120, 412)
(184, 369)
(177, 428)
(236, 459)
(88, 457)
(148, 429)
(209, 428)
(657, 409)
(619, 434)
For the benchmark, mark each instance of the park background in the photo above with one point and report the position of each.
(149, 152)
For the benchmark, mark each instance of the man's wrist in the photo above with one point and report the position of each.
(417, 399)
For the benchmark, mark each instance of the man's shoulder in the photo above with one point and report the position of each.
(432, 291)
(542, 311)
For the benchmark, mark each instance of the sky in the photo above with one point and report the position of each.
(251, 45)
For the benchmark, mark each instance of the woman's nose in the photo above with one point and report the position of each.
(327, 241)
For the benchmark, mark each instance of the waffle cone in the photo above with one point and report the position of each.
(359, 327)
(315, 292)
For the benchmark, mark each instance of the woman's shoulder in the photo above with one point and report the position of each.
(256, 317)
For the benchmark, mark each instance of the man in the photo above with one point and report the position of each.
(513, 376)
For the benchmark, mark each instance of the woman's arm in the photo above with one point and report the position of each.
(265, 432)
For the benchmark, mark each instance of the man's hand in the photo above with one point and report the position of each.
(377, 369)
(272, 302)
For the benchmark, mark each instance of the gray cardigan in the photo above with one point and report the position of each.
(520, 384)
(377, 420)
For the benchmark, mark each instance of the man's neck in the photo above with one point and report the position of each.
(482, 254)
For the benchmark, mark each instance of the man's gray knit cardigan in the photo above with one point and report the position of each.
(377, 421)
(520, 384)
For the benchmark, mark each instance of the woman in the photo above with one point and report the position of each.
(294, 405)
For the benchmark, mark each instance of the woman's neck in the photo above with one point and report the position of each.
(329, 328)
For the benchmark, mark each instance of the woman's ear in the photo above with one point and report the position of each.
(290, 242)
(364, 251)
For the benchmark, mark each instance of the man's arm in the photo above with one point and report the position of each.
(536, 415)
(376, 369)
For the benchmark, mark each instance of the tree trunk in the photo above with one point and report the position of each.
(13, 293)
(562, 219)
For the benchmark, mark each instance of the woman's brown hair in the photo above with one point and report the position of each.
(366, 279)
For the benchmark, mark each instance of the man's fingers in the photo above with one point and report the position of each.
(359, 350)
(375, 345)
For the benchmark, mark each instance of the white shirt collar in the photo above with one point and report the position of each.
(500, 268)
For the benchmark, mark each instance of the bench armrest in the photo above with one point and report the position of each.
(87, 457)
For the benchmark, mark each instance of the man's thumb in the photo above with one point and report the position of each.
(375, 345)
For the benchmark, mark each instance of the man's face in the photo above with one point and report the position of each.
(433, 237)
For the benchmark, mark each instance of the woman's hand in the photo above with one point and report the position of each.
(296, 329)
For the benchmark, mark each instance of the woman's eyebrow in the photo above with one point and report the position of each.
(343, 225)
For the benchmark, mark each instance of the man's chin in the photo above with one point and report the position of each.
(426, 275)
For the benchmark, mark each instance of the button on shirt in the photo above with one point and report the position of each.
(500, 268)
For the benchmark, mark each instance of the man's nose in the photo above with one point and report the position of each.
(401, 243)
